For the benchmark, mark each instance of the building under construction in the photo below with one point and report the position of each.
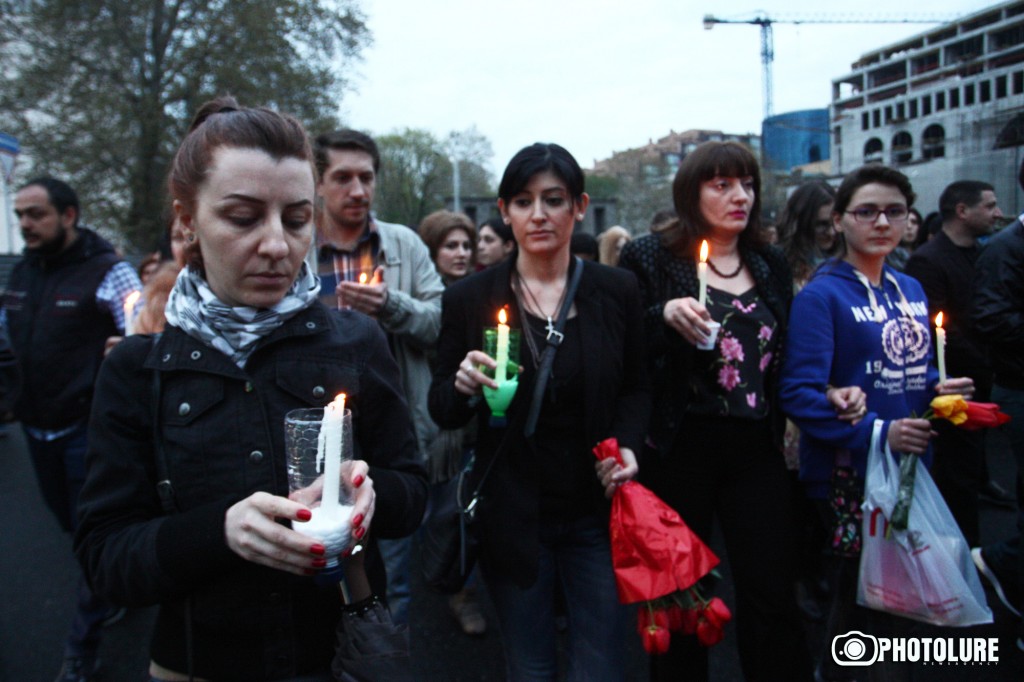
(944, 105)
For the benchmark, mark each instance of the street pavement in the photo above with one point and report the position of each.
(38, 573)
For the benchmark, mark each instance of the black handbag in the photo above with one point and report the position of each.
(449, 546)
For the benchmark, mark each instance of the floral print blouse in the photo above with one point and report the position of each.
(730, 379)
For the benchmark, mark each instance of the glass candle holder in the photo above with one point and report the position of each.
(506, 374)
(319, 456)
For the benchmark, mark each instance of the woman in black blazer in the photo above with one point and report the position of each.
(544, 514)
(717, 427)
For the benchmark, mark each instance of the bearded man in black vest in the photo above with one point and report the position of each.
(65, 298)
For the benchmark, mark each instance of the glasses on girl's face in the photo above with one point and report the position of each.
(869, 214)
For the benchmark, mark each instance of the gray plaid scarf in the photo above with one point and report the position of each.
(193, 308)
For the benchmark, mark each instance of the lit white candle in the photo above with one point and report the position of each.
(329, 449)
(702, 273)
(940, 347)
(129, 311)
(502, 351)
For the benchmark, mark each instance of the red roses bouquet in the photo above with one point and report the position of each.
(658, 560)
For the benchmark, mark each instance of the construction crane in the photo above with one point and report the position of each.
(767, 41)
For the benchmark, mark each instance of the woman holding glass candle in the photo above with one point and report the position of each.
(717, 427)
(186, 501)
(542, 519)
(870, 329)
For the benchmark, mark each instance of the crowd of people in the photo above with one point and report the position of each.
(743, 388)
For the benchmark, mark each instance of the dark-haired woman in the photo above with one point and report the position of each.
(717, 428)
(870, 329)
(543, 516)
(805, 229)
(495, 243)
(198, 413)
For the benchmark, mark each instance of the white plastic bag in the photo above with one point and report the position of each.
(924, 572)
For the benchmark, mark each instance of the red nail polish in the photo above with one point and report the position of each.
(319, 563)
(358, 520)
(358, 480)
(360, 532)
(346, 554)
(318, 549)
(303, 515)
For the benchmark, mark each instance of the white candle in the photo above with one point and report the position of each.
(329, 447)
(940, 347)
(502, 351)
(129, 310)
(702, 273)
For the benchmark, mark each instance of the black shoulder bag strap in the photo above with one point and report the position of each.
(554, 340)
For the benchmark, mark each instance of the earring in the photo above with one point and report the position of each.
(191, 237)
(580, 217)
(507, 221)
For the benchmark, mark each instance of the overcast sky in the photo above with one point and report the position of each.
(600, 76)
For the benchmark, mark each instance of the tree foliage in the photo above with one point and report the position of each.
(100, 92)
(416, 172)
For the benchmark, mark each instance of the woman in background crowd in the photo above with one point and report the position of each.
(542, 519)
(185, 502)
(610, 243)
(450, 238)
(495, 244)
(806, 233)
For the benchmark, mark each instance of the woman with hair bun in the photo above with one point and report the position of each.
(185, 503)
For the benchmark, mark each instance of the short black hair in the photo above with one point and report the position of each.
(866, 175)
(583, 244)
(504, 232)
(345, 139)
(62, 196)
(541, 157)
(961, 192)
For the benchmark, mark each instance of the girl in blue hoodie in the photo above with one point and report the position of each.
(859, 322)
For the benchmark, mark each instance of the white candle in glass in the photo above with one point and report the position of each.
(940, 347)
(702, 273)
(330, 444)
(502, 350)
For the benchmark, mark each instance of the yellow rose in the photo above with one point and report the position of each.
(951, 407)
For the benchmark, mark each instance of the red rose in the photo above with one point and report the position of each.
(674, 613)
(983, 416)
(656, 639)
(690, 618)
(709, 634)
(717, 612)
(646, 618)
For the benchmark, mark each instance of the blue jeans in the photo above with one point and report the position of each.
(397, 556)
(577, 555)
(1005, 558)
(60, 469)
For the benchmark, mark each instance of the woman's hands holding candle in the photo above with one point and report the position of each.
(612, 474)
(687, 317)
(469, 380)
(956, 386)
(252, 532)
(364, 500)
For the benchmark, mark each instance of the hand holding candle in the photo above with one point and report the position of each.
(940, 347)
(502, 344)
(502, 354)
(702, 273)
(329, 449)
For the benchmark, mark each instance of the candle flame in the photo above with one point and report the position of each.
(131, 300)
(362, 278)
(704, 251)
(938, 320)
(502, 316)
(338, 403)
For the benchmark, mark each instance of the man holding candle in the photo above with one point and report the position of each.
(402, 291)
(65, 297)
(945, 268)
